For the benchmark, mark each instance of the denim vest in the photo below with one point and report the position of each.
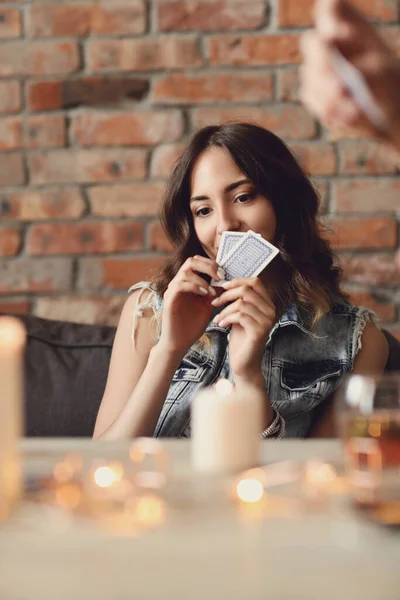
(301, 368)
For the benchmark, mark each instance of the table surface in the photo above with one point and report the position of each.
(206, 548)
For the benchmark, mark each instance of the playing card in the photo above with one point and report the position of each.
(356, 85)
(229, 239)
(247, 258)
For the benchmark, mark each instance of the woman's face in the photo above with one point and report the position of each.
(223, 199)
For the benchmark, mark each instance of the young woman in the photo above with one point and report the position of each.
(289, 333)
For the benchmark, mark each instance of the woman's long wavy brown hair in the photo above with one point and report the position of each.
(307, 270)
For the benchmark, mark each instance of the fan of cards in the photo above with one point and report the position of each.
(243, 255)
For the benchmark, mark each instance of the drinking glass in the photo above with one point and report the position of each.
(368, 411)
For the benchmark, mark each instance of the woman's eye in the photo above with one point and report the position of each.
(245, 198)
(202, 212)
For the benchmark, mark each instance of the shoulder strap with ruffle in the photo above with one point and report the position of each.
(152, 301)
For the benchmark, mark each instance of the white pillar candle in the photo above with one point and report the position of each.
(12, 343)
(225, 428)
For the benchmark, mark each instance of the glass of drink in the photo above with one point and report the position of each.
(368, 411)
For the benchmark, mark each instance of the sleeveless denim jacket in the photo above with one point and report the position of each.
(301, 368)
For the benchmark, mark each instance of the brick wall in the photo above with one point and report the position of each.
(96, 101)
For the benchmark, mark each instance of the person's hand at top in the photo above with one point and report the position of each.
(340, 28)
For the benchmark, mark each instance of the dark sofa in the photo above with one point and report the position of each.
(66, 367)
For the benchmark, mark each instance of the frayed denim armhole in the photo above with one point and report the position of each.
(152, 302)
(362, 316)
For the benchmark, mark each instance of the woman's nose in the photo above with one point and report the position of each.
(228, 222)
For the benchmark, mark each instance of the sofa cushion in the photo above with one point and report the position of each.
(66, 366)
(393, 361)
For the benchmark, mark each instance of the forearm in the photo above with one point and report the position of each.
(140, 414)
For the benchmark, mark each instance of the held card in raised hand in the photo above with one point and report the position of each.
(248, 258)
(229, 240)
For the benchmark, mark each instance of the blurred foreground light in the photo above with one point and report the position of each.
(108, 475)
(249, 490)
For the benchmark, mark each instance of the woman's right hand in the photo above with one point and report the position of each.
(187, 304)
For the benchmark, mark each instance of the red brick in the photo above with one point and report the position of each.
(317, 158)
(366, 195)
(84, 238)
(104, 310)
(254, 50)
(371, 269)
(10, 241)
(38, 58)
(11, 133)
(367, 157)
(287, 85)
(144, 54)
(286, 121)
(45, 95)
(379, 232)
(299, 13)
(292, 13)
(116, 273)
(345, 133)
(40, 132)
(10, 96)
(126, 199)
(158, 239)
(213, 87)
(164, 159)
(81, 19)
(11, 306)
(35, 275)
(89, 91)
(322, 189)
(46, 131)
(31, 205)
(127, 128)
(386, 311)
(210, 15)
(10, 23)
(84, 166)
(11, 170)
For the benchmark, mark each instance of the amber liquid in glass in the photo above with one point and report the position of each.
(372, 449)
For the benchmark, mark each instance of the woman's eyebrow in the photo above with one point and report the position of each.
(229, 188)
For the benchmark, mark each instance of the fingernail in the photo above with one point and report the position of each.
(212, 291)
(203, 290)
(216, 319)
(225, 284)
(221, 323)
(221, 273)
(215, 302)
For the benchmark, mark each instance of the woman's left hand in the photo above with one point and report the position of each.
(252, 314)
